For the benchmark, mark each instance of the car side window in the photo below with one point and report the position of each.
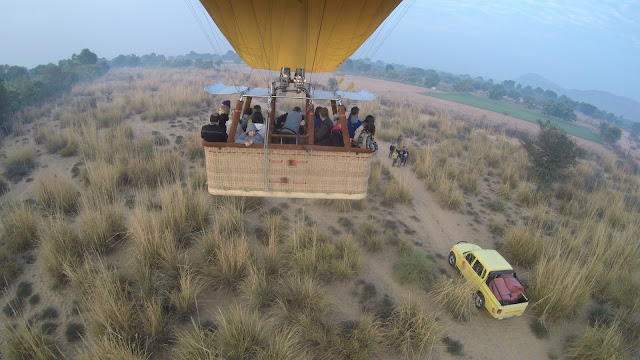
(470, 258)
(478, 268)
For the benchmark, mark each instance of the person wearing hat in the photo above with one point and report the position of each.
(227, 103)
(251, 136)
(215, 131)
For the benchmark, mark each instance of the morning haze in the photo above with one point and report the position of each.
(577, 45)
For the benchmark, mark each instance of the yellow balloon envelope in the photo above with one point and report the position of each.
(317, 35)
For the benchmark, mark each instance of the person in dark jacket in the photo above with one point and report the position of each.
(215, 131)
(321, 136)
(353, 122)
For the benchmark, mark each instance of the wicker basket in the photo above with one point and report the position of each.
(292, 171)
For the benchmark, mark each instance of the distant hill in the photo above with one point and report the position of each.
(604, 100)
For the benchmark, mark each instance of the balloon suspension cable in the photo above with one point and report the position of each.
(266, 139)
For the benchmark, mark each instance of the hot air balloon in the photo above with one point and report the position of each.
(307, 36)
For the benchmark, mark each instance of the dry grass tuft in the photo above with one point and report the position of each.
(193, 147)
(60, 248)
(598, 342)
(194, 344)
(370, 237)
(19, 163)
(448, 193)
(523, 245)
(229, 262)
(111, 347)
(375, 177)
(398, 191)
(412, 332)
(27, 342)
(456, 296)
(19, 227)
(57, 194)
(359, 340)
(556, 297)
(101, 226)
(183, 211)
(184, 298)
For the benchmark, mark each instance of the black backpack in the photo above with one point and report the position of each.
(335, 138)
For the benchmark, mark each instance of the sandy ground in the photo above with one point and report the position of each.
(434, 230)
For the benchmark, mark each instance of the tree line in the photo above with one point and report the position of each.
(546, 101)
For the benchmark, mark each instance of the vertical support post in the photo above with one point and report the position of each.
(343, 125)
(310, 121)
(272, 115)
(334, 107)
(247, 105)
(234, 122)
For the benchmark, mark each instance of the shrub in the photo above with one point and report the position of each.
(24, 290)
(57, 194)
(457, 296)
(193, 147)
(454, 347)
(183, 299)
(359, 340)
(19, 163)
(414, 267)
(496, 204)
(299, 296)
(229, 262)
(19, 227)
(409, 330)
(551, 154)
(183, 211)
(375, 177)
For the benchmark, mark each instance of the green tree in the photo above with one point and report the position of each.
(551, 153)
(529, 102)
(509, 84)
(559, 109)
(431, 79)
(635, 128)
(333, 83)
(496, 92)
(550, 94)
(610, 133)
(86, 57)
(463, 86)
(388, 68)
(514, 94)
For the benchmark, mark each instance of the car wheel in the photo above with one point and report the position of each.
(452, 259)
(479, 300)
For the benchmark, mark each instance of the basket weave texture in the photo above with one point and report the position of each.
(290, 172)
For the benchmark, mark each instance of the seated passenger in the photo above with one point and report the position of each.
(245, 119)
(365, 140)
(252, 136)
(223, 115)
(321, 136)
(291, 125)
(257, 120)
(316, 119)
(370, 119)
(353, 122)
(214, 131)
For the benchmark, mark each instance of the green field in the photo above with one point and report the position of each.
(517, 112)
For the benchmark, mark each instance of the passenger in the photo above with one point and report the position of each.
(245, 119)
(368, 120)
(227, 103)
(258, 121)
(223, 114)
(353, 122)
(336, 138)
(321, 137)
(365, 139)
(252, 136)
(292, 122)
(316, 120)
(257, 108)
(214, 131)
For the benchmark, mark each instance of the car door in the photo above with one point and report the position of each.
(478, 273)
(466, 266)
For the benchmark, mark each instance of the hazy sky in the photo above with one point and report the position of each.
(577, 44)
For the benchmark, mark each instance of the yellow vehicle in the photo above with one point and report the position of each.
(498, 287)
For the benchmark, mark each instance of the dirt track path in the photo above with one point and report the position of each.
(483, 337)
